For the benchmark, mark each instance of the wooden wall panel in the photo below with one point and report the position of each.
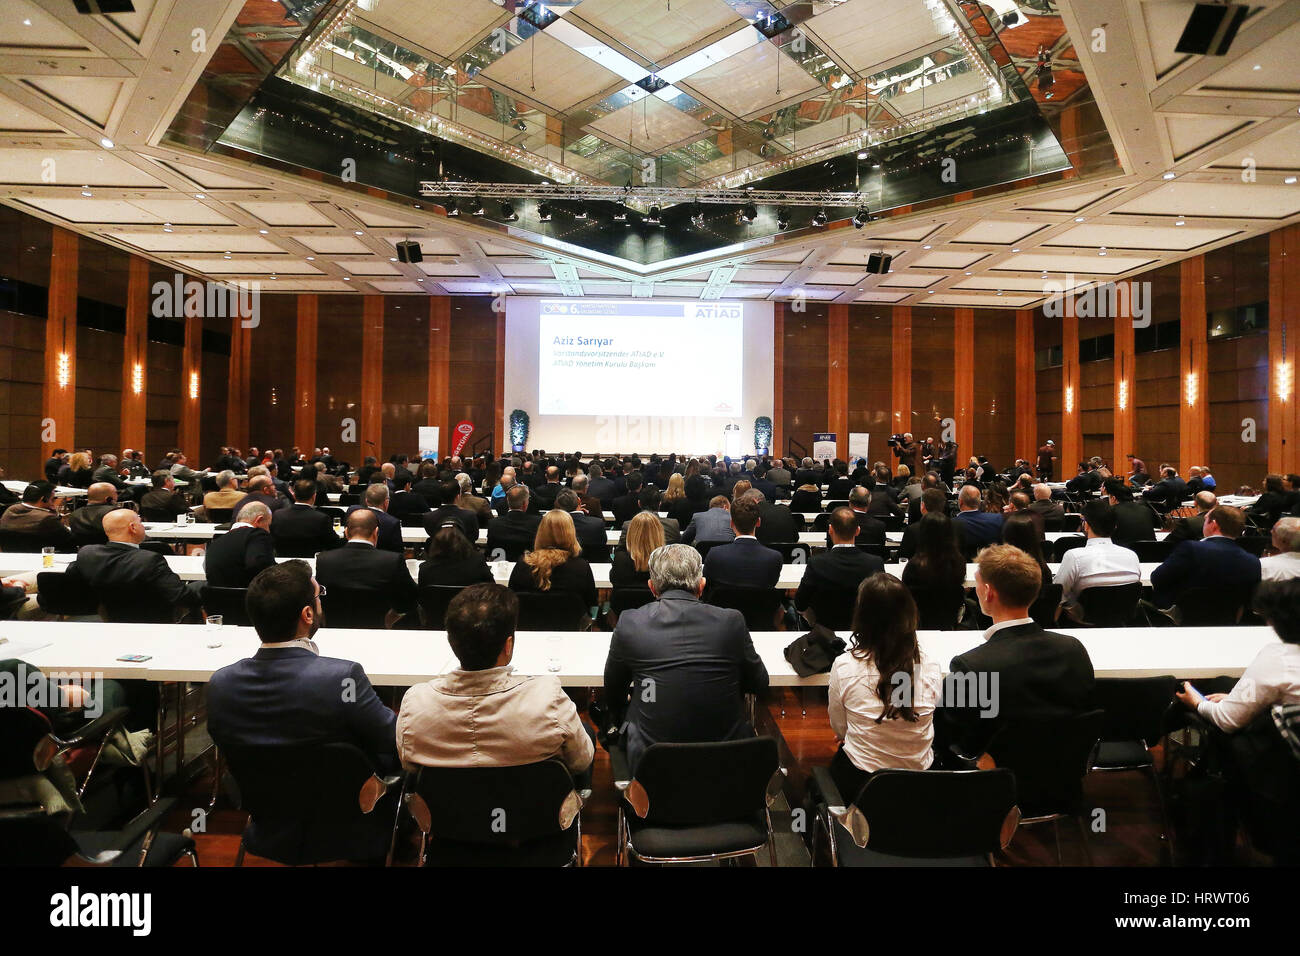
(134, 354)
(438, 396)
(1284, 350)
(371, 419)
(406, 386)
(933, 391)
(778, 379)
(59, 401)
(191, 388)
(901, 369)
(22, 386)
(272, 376)
(1193, 414)
(472, 368)
(1158, 397)
(1124, 409)
(338, 377)
(994, 412)
(837, 377)
(870, 385)
(1071, 440)
(499, 386)
(963, 374)
(806, 341)
(303, 395)
(1026, 404)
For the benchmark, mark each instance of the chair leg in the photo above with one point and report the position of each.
(194, 858)
(1056, 833)
(216, 778)
(620, 845)
(239, 856)
(1166, 831)
(1083, 835)
(771, 840)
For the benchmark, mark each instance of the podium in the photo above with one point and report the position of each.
(733, 442)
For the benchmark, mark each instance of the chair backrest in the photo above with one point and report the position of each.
(551, 611)
(218, 515)
(1073, 521)
(1210, 607)
(1112, 606)
(705, 546)
(1152, 552)
(15, 542)
(879, 550)
(627, 599)
(415, 520)
(289, 547)
(697, 784)
(157, 514)
(1067, 544)
(354, 607)
(228, 602)
(1134, 706)
(822, 522)
(434, 599)
(759, 605)
(1049, 757)
(508, 551)
(496, 806)
(1255, 544)
(65, 593)
(938, 813)
(834, 607)
(937, 609)
(793, 552)
(134, 605)
(1043, 610)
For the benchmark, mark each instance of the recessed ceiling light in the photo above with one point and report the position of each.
(358, 233)
(1101, 251)
(347, 278)
(1257, 67)
(226, 256)
(106, 143)
(419, 280)
(200, 196)
(392, 258)
(167, 227)
(968, 273)
(862, 155)
(1290, 180)
(1015, 250)
(262, 232)
(1170, 175)
(1181, 222)
(926, 247)
(1078, 219)
(85, 191)
(931, 291)
(311, 258)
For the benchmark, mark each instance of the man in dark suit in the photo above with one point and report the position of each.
(54, 463)
(286, 694)
(699, 660)
(163, 502)
(711, 525)
(1216, 562)
(36, 520)
(1193, 528)
(1019, 501)
(233, 559)
(590, 531)
(301, 529)
(87, 522)
(808, 474)
(107, 472)
(871, 530)
(626, 506)
(840, 569)
(1134, 520)
(1020, 673)
(580, 486)
(760, 484)
(513, 533)
(841, 486)
(390, 529)
(979, 528)
(1087, 481)
(362, 565)
(649, 499)
(122, 567)
(405, 501)
(1052, 512)
(777, 524)
(466, 520)
(600, 487)
(745, 562)
(546, 492)
(261, 490)
(907, 452)
(1169, 491)
(884, 497)
(933, 502)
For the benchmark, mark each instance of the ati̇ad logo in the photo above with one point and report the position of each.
(464, 428)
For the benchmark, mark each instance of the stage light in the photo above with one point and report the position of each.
(582, 211)
(653, 217)
(476, 207)
(819, 217)
(748, 212)
(783, 218)
(449, 204)
(508, 211)
(697, 215)
(861, 217)
(544, 211)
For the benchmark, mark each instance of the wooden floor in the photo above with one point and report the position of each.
(1132, 817)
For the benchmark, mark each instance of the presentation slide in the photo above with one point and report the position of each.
(630, 353)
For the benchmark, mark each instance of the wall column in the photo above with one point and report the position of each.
(372, 378)
(59, 396)
(837, 378)
(304, 373)
(438, 409)
(778, 380)
(1283, 333)
(191, 389)
(901, 382)
(1193, 383)
(963, 363)
(1071, 397)
(503, 440)
(135, 358)
(239, 384)
(1124, 428)
(1026, 428)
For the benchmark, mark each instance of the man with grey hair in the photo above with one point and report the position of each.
(1049, 510)
(227, 495)
(107, 472)
(679, 669)
(592, 505)
(1284, 565)
(472, 502)
(233, 559)
(390, 529)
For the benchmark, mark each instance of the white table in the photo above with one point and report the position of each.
(406, 657)
(60, 491)
(206, 531)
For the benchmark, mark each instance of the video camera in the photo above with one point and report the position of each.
(895, 440)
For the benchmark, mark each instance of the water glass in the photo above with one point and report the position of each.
(47, 557)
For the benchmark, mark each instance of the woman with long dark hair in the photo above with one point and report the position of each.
(883, 691)
(1021, 531)
(937, 571)
(453, 560)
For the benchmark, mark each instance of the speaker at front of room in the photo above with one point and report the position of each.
(1211, 28)
(409, 251)
(878, 263)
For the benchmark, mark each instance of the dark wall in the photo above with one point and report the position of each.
(803, 380)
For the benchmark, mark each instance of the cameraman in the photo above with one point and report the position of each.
(905, 450)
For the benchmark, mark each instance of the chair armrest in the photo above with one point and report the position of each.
(827, 788)
(619, 767)
(51, 745)
(966, 762)
(144, 824)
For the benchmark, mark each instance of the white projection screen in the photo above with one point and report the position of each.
(637, 375)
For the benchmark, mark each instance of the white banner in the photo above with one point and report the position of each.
(429, 441)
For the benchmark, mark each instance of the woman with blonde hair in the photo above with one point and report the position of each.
(555, 563)
(739, 488)
(631, 566)
(675, 502)
(79, 471)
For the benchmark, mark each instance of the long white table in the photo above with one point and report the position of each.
(405, 657)
(60, 491)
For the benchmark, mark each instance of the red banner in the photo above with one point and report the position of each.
(462, 431)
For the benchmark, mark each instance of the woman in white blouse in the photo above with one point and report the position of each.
(1273, 677)
(883, 690)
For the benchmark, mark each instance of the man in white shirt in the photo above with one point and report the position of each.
(1284, 565)
(1100, 563)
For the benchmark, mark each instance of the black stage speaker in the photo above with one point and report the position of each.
(97, 7)
(409, 251)
(878, 263)
(1211, 28)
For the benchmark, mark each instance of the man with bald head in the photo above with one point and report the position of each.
(139, 577)
(376, 502)
(1052, 512)
(87, 522)
(1193, 528)
(234, 558)
(262, 490)
(361, 565)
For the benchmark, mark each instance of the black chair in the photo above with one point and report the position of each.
(628, 599)
(758, 605)
(310, 804)
(879, 550)
(286, 547)
(134, 605)
(695, 802)
(893, 522)
(354, 607)
(552, 611)
(793, 552)
(528, 815)
(938, 610)
(158, 514)
(219, 515)
(1050, 758)
(1043, 610)
(508, 552)
(1063, 545)
(1073, 521)
(434, 599)
(704, 547)
(347, 500)
(157, 547)
(918, 818)
(15, 542)
(1152, 552)
(1255, 544)
(1135, 712)
(1112, 606)
(822, 522)
(228, 602)
(412, 520)
(1208, 607)
(65, 594)
(834, 607)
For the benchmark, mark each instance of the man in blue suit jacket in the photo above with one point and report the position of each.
(1216, 561)
(978, 528)
(287, 694)
(390, 528)
(746, 562)
(711, 525)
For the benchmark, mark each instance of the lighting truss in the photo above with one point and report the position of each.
(639, 195)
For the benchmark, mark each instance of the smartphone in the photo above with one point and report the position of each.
(1196, 694)
(135, 658)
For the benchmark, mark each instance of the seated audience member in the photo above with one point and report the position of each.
(361, 565)
(839, 570)
(36, 519)
(1216, 562)
(426, 484)
(469, 501)
(1169, 491)
(233, 559)
(226, 496)
(674, 502)
(1087, 481)
(163, 502)
(287, 694)
(590, 531)
(590, 503)
(806, 499)
(744, 562)
(446, 493)
(626, 505)
(871, 530)
(777, 524)
(1018, 502)
(301, 525)
(87, 522)
(700, 659)
(1269, 506)
(937, 569)
(512, 533)
(1273, 677)
(1193, 528)
(979, 528)
(711, 525)
(1134, 520)
(375, 501)
(600, 487)
(555, 563)
(1021, 672)
(1019, 532)
(649, 500)
(884, 496)
(405, 501)
(77, 473)
(878, 729)
(261, 490)
(123, 567)
(482, 714)
(1284, 565)
(1100, 563)
(54, 463)
(452, 561)
(933, 502)
(630, 567)
(107, 472)
(841, 485)
(1051, 511)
